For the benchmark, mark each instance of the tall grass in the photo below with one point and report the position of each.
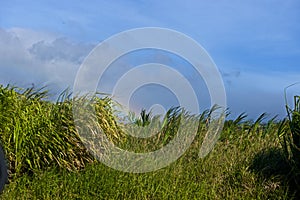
(224, 174)
(289, 131)
(44, 151)
(38, 134)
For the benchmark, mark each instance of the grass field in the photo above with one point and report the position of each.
(251, 160)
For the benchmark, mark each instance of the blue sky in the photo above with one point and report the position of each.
(255, 44)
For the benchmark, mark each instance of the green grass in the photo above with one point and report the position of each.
(248, 161)
(231, 171)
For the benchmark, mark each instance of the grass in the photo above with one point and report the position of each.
(249, 160)
(224, 174)
(37, 134)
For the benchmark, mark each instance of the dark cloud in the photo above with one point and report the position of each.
(229, 76)
(60, 49)
(232, 74)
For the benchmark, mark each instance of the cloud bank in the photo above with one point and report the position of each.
(42, 58)
(29, 57)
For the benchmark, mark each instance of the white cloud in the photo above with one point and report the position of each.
(28, 56)
(60, 49)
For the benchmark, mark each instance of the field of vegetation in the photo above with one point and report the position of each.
(46, 159)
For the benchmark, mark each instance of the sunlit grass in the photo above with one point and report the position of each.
(37, 134)
(47, 159)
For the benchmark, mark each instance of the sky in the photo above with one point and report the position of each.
(255, 44)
